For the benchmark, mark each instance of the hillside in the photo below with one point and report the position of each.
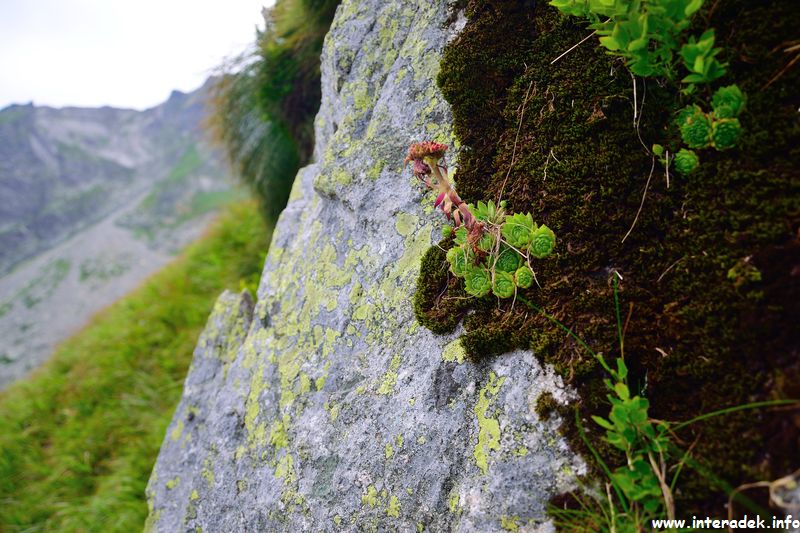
(79, 436)
(91, 202)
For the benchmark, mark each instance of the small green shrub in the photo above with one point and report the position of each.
(641, 489)
(651, 35)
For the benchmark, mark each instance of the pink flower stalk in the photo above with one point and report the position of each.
(425, 156)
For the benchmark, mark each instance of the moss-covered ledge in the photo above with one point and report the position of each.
(710, 288)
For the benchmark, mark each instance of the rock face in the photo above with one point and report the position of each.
(325, 406)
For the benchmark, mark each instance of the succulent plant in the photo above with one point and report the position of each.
(518, 228)
(523, 277)
(492, 250)
(695, 127)
(486, 242)
(459, 260)
(503, 286)
(686, 161)
(478, 281)
(543, 240)
(508, 260)
(728, 102)
(725, 133)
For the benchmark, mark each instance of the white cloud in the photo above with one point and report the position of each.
(110, 52)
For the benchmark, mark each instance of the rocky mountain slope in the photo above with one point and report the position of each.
(91, 202)
(324, 406)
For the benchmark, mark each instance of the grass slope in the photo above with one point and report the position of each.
(79, 437)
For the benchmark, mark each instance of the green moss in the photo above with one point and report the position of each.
(700, 341)
(545, 405)
(432, 310)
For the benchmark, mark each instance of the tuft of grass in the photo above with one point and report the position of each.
(264, 102)
(79, 437)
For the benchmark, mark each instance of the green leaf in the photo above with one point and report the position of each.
(461, 236)
(692, 8)
(478, 281)
(602, 422)
(622, 369)
(610, 43)
(622, 391)
(523, 277)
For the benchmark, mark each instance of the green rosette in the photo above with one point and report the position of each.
(508, 260)
(503, 286)
(517, 229)
(726, 133)
(523, 277)
(486, 242)
(686, 161)
(543, 240)
(478, 281)
(728, 102)
(458, 258)
(461, 235)
(695, 127)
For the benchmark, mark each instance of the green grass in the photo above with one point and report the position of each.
(78, 439)
(264, 102)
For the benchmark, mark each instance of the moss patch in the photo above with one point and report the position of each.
(695, 340)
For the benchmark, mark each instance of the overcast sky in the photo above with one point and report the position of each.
(114, 52)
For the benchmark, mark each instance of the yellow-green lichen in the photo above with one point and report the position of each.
(285, 469)
(305, 383)
(488, 427)
(371, 497)
(388, 451)
(174, 482)
(393, 509)
(208, 473)
(453, 501)
(175, 434)
(509, 523)
(454, 352)
(405, 224)
(256, 432)
(390, 377)
(278, 437)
